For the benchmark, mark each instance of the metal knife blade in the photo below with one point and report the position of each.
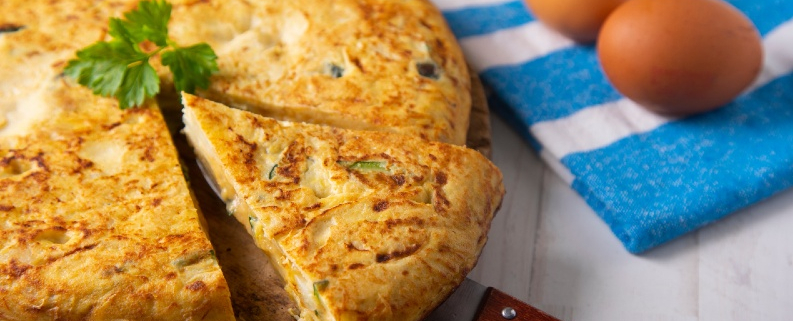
(475, 302)
(209, 178)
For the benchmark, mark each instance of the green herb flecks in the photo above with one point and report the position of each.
(120, 67)
(185, 171)
(10, 27)
(364, 165)
(231, 207)
(272, 172)
(320, 286)
(334, 70)
(428, 69)
(212, 255)
(189, 259)
(252, 220)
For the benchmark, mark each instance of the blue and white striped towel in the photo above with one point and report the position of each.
(650, 178)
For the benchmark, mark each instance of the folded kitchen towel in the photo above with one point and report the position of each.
(649, 177)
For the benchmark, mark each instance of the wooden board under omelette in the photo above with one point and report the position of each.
(96, 219)
(361, 225)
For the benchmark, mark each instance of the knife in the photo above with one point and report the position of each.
(475, 302)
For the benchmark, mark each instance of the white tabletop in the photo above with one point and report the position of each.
(548, 248)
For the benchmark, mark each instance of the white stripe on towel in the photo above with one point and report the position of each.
(777, 55)
(595, 127)
(601, 125)
(512, 46)
(448, 5)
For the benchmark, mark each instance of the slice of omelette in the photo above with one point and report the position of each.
(361, 225)
(96, 219)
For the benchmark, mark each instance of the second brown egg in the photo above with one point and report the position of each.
(680, 56)
(579, 20)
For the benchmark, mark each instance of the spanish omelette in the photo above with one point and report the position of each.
(361, 225)
(363, 65)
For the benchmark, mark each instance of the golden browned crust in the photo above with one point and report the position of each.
(345, 63)
(280, 58)
(378, 46)
(96, 221)
(380, 245)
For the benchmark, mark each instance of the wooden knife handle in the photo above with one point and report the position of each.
(496, 301)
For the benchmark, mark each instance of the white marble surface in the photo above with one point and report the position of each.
(548, 248)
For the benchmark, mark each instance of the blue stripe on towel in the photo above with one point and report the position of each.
(571, 79)
(482, 20)
(653, 187)
(560, 84)
(766, 15)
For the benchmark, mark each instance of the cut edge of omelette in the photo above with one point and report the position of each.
(356, 235)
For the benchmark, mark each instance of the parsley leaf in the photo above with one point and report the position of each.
(149, 22)
(140, 81)
(191, 66)
(105, 68)
(120, 67)
(118, 30)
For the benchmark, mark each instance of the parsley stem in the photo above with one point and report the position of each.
(172, 43)
(154, 53)
(138, 62)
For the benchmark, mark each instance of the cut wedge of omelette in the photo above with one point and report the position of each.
(361, 225)
(96, 219)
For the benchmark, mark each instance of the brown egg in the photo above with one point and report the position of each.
(680, 56)
(579, 20)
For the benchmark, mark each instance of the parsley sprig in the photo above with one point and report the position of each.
(120, 67)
